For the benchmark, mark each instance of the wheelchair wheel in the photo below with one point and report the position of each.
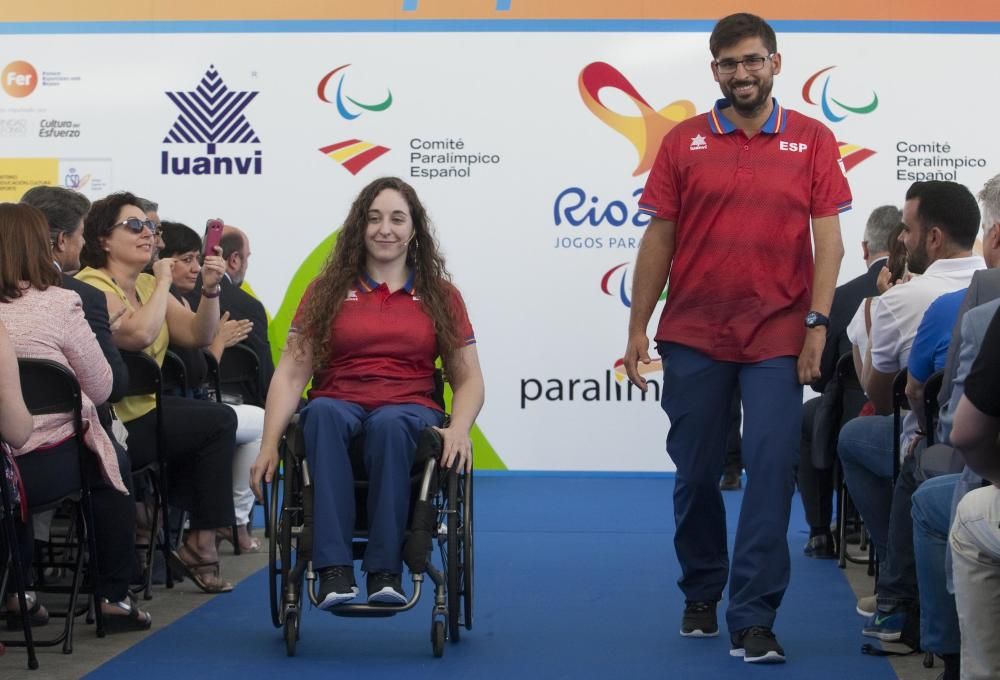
(437, 638)
(453, 568)
(468, 564)
(291, 631)
(273, 567)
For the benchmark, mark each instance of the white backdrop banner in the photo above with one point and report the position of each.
(528, 149)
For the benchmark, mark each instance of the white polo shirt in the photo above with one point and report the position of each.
(901, 308)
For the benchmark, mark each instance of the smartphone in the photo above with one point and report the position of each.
(213, 233)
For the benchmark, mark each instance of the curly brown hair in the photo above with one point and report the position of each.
(347, 262)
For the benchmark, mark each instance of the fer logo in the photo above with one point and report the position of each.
(826, 99)
(19, 79)
(646, 130)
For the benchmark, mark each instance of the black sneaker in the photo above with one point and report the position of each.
(757, 644)
(384, 587)
(336, 586)
(699, 620)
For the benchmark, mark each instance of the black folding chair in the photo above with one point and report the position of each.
(239, 374)
(12, 563)
(930, 402)
(145, 378)
(173, 375)
(50, 388)
(852, 399)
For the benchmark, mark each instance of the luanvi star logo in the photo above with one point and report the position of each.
(211, 114)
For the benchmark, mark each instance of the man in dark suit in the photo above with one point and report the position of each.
(816, 485)
(64, 210)
(241, 305)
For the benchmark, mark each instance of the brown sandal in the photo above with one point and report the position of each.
(197, 571)
(226, 534)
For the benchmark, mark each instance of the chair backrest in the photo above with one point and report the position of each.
(239, 373)
(846, 373)
(49, 387)
(173, 374)
(931, 388)
(212, 377)
(143, 374)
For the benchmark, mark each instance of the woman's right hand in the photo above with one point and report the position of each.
(263, 468)
(163, 270)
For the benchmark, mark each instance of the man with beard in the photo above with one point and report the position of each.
(940, 225)
(732, 195)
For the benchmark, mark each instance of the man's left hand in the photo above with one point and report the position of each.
(812, 352)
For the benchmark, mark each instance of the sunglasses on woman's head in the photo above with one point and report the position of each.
(135, 225)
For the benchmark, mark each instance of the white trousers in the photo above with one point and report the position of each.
(975, 547)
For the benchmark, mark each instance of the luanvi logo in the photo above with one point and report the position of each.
(211, 114)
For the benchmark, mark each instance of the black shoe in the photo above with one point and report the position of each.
(336, 586)
(821, 547)
(731, 481)
(757, 644)
(384, 587)
(699, 620)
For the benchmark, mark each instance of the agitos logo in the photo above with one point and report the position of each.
(826, 98)
(342, 109)
(352, 154)
(621, 289)
(646, 130)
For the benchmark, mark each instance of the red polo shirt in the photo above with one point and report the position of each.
(383, 347)
(742, 269)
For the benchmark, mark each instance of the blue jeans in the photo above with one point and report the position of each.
(696, 396)
(328, 426)
(865, 450)
(939, 631)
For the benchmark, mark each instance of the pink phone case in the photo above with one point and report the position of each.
(213, 234)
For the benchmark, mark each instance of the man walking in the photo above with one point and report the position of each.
(732, 194)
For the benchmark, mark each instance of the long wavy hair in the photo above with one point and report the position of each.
(346, 263)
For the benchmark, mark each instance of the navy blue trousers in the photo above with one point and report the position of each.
(390, 433)
(696, 398)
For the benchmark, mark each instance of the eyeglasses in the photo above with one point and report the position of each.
(135, 225)
(752, 62)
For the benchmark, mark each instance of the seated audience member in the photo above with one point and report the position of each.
(941, 221)
(815, 484)
(184, 245)
(64, 209)
(151, 209)
(16, 423)
(369, 328)
(975, 536)
(45, 321)
(934, 500)
(892, 272)
(198, 437)
(241, 305)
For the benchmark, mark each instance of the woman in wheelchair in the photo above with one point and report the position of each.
(198, 437)
(368, 331)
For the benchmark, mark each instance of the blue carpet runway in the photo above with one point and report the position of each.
(575, 578)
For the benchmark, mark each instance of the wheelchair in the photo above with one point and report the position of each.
(441, 511)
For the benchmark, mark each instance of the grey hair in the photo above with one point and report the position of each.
(880, 224)
(147, 206)
(989, 201)
(63, 208)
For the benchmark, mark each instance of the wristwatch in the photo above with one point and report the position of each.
(814, 319)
